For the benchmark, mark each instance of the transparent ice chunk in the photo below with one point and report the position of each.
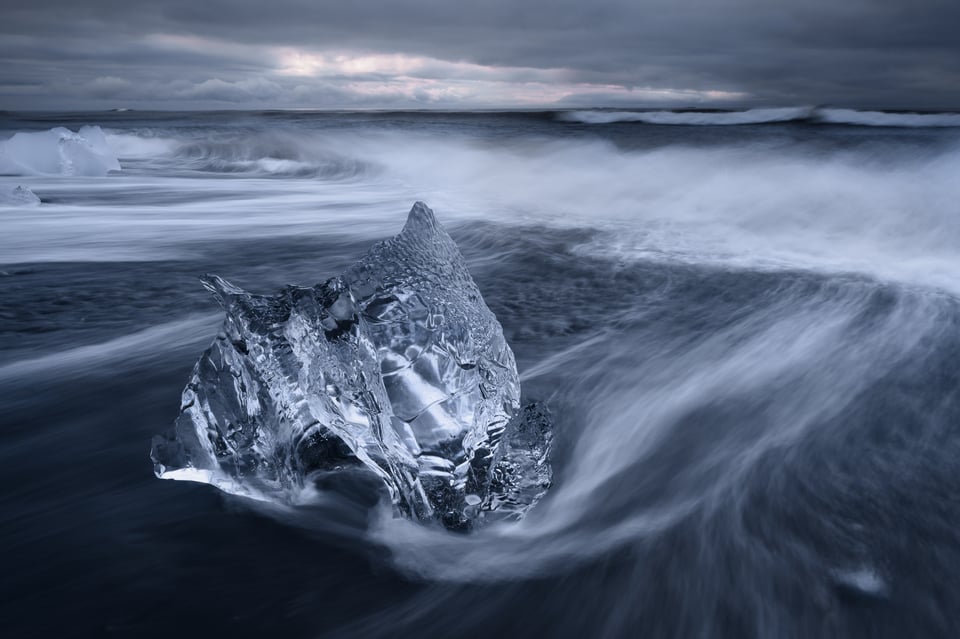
(397, 364)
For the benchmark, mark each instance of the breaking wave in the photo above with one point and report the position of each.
(767, 116)
(691, 118)
(269, 153)
(874, 210)
(272, 153)
(884, 118)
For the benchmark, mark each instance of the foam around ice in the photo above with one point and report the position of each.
(397, 365)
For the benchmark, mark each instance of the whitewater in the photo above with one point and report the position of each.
(746, 325)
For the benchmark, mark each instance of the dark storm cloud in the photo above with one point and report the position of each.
(59, 54)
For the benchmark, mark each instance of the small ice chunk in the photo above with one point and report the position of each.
(58, 151)
(397, 364)
(864, 579)
(17, 197)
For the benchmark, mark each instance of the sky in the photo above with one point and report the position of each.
(445, 54)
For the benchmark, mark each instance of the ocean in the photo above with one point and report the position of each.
(746, 326)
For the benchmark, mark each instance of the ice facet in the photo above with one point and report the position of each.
(520, 470)
(396, 364)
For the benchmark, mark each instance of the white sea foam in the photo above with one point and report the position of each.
(743, 205)
(138, 347)
(691, 118)
(889, 119)
(128, 145)
(886, 213)
(766, 115)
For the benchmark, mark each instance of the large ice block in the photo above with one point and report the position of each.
(58, 151)
(397, 364)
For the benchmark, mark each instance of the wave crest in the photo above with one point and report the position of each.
(269, 153)
(276, 153)
(691, 118)
(812, 115)
(885, 118)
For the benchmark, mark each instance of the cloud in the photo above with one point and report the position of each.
(109, 87)
(894, 53)
(254, 89)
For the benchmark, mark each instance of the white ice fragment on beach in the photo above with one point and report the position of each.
(863, 579)
(17, 197)
(397, 365)
(58, 151)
